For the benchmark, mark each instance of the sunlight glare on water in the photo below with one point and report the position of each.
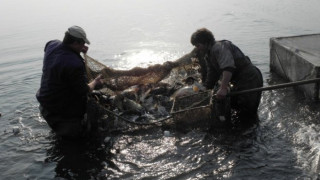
(141, 58)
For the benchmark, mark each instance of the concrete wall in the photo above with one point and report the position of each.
(290, 63)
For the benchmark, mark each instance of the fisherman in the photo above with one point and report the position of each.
(64, 85)
(225, 61)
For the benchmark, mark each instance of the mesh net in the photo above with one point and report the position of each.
(193, 110)
(169, 73)
(118, 80)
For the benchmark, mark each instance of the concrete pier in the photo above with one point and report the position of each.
(297, 58)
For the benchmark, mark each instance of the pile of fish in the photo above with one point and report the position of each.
(142, 103)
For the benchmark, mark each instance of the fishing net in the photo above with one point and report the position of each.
(115, 81)
(118, 80)
(193, 111)
(198, 110)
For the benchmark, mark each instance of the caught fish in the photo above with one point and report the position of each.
(127, 105)
(138, 92)
(154, 107)
(184, 91)
(160, 111)
(191, 88)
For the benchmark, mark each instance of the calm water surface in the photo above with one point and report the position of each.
(125, 34)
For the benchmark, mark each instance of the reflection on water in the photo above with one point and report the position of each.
(142, 58)
(272, 149)
(292, 116)
(282, 146)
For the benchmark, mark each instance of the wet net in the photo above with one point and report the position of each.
(115, 81)
(118, 80)
(193, 111)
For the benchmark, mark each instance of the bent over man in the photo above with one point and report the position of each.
(64, 85)
(225, 61)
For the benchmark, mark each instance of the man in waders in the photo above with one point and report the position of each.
(225, 61)
(64, 85)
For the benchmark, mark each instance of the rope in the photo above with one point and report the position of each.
(191, 107)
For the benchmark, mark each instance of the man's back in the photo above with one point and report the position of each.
(63, 87)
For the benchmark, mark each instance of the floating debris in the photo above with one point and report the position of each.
(16, 130)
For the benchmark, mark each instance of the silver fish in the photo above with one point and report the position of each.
(188, 90)
(127, 105)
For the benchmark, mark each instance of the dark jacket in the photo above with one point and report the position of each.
(224, 56)
(63, 90)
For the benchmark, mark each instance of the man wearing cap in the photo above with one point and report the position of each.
(64, 84)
